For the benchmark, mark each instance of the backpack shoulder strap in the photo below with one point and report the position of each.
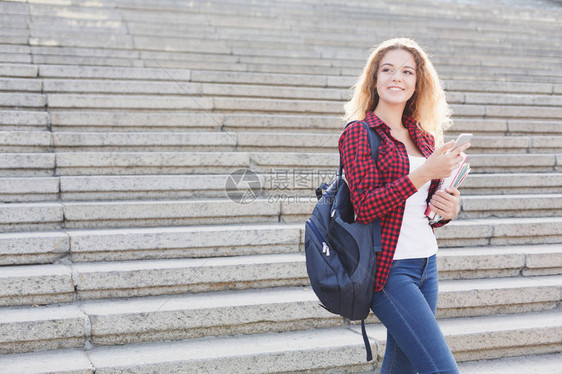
(366, 341)
(374, 140)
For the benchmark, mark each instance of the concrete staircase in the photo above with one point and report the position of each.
(121, 122)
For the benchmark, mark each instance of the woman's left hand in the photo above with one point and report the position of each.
(446, 203)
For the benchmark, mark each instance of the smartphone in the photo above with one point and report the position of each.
(461, 140)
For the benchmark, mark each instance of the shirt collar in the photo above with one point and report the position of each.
(375, 121)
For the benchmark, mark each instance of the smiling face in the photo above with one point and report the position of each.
(396, 77)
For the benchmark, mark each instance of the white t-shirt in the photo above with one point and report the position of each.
(416, 239)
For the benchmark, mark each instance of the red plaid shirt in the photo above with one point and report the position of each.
(381, 190)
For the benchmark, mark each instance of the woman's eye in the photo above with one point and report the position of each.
(384, 70)
(409, 72)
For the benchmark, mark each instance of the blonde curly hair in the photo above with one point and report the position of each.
(427, 106)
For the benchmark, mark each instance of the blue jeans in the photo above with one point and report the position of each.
(406, 306)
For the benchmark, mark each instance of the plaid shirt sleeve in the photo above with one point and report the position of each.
(361, 174)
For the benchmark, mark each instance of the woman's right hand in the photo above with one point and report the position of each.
(441, 163)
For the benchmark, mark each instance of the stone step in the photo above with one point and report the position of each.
(317, 35)
(27, 100)
(57, 361)
(256, 78)
(148, 187)
(26, 164)
(31, 216)
(33, 247)
(85, 60)
(250, 62)
(167, 243)
(147, 141)
(20, 85)
(525, 127)
(83, 10)
(101, 280)
(505, 112)
(234, 123)
(508, 99)
(459, 91)
(290, 185)
(250, 141)
(156, 121)
(79, 215)
(101, 40)
(117, 322)
(29, 189)
(93, 101)
(14, 35)
(500, 231)
(77, 362)
(238, 20)
(268, 9)
(469, 86)
(41, 284)
(509, 184)
(98, 141)
(80, 51)
(334, 349)
(257, 57)
(326, 45)
(127, 163)
(489, 337)
(121, 87)
(302, 10)
(194, 241)
(248, 239)
(42, 22)
(25, 141)
(498, 163)
(23, 120)
(221, 104)
(291, 47)
(18, 70)
(511, 206)
(263, 18)
(324, 349)
(35, 329)
(488, 74)
(184, 242)
(273, 209)
(103, 72)
(204, 89)
(240, 17)
(283, 184)
(538, 364)
(14, 8)
(514, 144)
(499, 261)
(189, 102)
(39, 28)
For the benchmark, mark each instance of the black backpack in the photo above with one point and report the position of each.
(341, 253)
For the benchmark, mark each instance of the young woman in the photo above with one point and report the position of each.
(399, 95)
